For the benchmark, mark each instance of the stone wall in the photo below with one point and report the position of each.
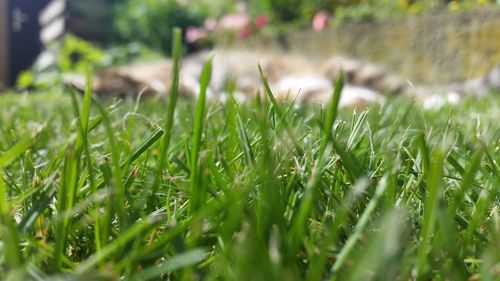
(435, 48)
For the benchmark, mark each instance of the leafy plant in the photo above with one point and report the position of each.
(76, 55)
(150, 22)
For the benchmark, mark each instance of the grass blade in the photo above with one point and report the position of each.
(331, 114)
(360, 226)
(435, 177)
(185, 259)
(145, 145)
(280, 113)
(172, 101)
(245, 144)
(197, 195)
(8, 230)
(19, 148)
(114, 246)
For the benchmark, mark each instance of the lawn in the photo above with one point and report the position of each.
(163, 190)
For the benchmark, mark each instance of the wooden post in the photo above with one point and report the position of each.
(27, 23)
(4, 57)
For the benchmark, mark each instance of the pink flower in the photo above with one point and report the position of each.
(210, 24)
(194, 34)
(235, 21)
(245, 32)
(320, 20)
(261, 21)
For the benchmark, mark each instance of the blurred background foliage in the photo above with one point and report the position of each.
(76, 55)
(125, 30)
(153, 19)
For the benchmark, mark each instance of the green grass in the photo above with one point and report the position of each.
(91, 189)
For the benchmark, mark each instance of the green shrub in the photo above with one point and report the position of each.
(284, 10)
(76, 55)
(302, 11)
(150, 21)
